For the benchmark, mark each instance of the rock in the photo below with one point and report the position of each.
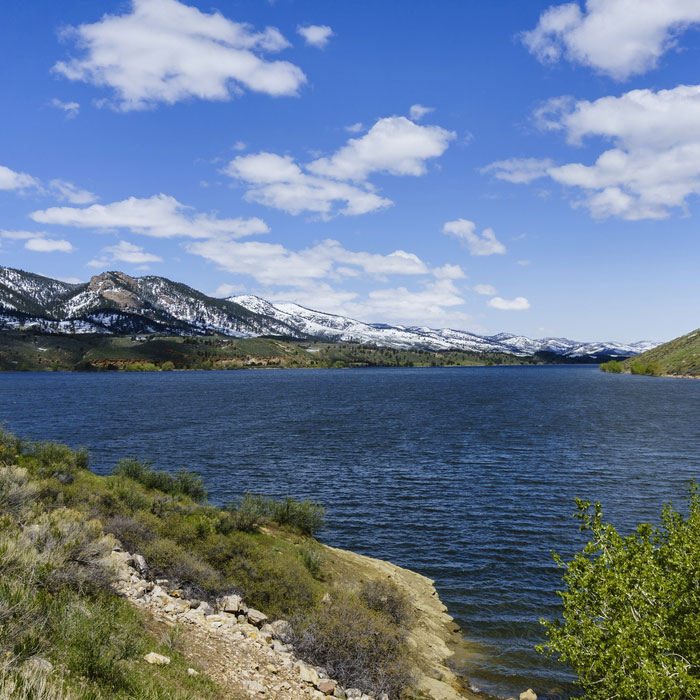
(327, 686)
(281, 629)
(326, 598)
(242, 620)
(339, 693)
(256, 687)
(353, 693)
(205, 608)
(529, 694)
(231, 604)
(192, 672)
(139, 563)
(307, 673)
(157, 659)
(384, 697)
(364, 696)
(256, 617)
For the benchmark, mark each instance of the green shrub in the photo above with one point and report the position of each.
(306, 517)
(611, 366)
(651, 369)
(631, 627)
(52, 457)
(183, 482)
(313, 558)
(357, 646)
(387, 598)
(250, 513)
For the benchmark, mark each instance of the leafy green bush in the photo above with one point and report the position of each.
(52, 457)
(611, 366)
(651, 369)
(387, 598)
(312, 557)
(183, 482)
(250, 513)
(306, 517)
(631, 627)
(359, 647)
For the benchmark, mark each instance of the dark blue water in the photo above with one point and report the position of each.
(466, 475)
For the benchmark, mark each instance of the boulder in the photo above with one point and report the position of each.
(339, 693)
(529, 694)
(353, 693)
(307, 673)
(256, 617)
(205, 608)
(192, 672)
(157, 659)
(327, 686)
(281, 629)
(231, 604)
(139, 563)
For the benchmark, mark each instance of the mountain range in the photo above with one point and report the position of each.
(114, 303)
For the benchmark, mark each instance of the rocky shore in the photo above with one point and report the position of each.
(250, 655)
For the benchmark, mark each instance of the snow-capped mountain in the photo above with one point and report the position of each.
(331, 327)
(114, 303)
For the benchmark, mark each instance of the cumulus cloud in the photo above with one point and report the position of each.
(485, 289)
(70, 109)
(485, 243)
(449, 272)
(273, 264)
(654, 162)
(517, 304)
(417, 112)
(619, 38)
(394, 145)
(163, 51)
(48, 245)
(278, 182)
(338, 184)
(70, 193)
(38, 241)
(11, 180)
(124, 252)
(159, 216)
(317, 35)
(355, 128)
(519, 170)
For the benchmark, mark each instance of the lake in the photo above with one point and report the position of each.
(466, 475)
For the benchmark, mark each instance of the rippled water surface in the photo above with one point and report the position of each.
(466, 475)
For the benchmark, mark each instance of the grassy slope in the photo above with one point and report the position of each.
(55, 600)
(28, 351)
(677, 357)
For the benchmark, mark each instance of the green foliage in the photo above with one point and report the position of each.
(306, 517)
(250, 513)
(612, 366)
(631, 620)
(387, 598)
(313, 558)
(356, 645)
(182, 482)
(651, 369)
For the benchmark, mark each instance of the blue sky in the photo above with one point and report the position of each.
(530, 167)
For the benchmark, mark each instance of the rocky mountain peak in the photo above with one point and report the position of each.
(118, 288)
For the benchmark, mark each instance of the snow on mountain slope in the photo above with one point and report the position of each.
(340, 328)
(116, 303)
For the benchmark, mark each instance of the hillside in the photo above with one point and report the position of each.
(115, 304)
(679, 357)
(133, 586)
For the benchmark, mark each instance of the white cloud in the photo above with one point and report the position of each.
(519, 170)
(417, 112)
(166, 51)
(159, 216)
(69, 192)
(394, 145)
(449, 272)
(227, 290)
(316, 35)
(355, 128)
(523, 263)
(278, 182)
(11, 180)
(654, 162)
(273, 264)
(71, 109)
(124, 252)
(20, 235)
(240, 146)
(338, 184)
(485, 289)
(517, 304)
(485, 243)
(48, 245)
(620, 38)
